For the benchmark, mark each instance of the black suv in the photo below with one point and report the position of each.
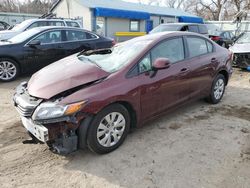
(191, 27)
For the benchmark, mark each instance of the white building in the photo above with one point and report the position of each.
(108, 17)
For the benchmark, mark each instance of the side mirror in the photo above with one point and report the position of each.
(161, 63)
(34, 43)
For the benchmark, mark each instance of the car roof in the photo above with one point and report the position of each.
(156, 37)
(44, 28)
(181, 24)
(52, 19)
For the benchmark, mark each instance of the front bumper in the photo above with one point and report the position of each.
(59, 133)
(39, 131)
(241, 60)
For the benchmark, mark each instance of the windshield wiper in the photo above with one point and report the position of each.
(98, 51)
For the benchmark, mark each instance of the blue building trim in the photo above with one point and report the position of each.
(189, 19)
(117, 13)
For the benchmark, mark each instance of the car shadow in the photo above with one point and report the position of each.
(157, 150)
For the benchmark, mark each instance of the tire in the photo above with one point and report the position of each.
(217, 90)
(104, 137)
(9, 70)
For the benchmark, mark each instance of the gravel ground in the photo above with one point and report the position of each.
(199, 145)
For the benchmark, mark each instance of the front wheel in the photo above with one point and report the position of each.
(217, 90)
(108, 129)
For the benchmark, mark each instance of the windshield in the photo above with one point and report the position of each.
(244, 38)
(22, 26)
(24, 36)
(162, 28)
(121, 55)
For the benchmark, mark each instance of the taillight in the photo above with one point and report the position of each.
(215, 38)
(113, 42)
(231, 55)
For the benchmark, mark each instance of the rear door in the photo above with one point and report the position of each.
(202, 61)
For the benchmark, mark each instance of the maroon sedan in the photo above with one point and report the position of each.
(93, 98)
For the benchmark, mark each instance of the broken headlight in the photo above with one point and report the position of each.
(50, 110)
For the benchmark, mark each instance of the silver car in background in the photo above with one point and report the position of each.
(32, 23)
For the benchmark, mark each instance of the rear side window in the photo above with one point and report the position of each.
(91, 36)
(73, 35)
(197, 46)
(172, 49)
(72, 24)
(203, 29)
(55, 23)
(209, 47)
(193, 28)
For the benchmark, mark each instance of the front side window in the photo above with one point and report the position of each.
(50, 37)
(134, 25)
(37, 24)
(197, 46)
(145, 64)
(73, 35)
(172, 49)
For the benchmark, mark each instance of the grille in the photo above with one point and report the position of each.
(26, 112)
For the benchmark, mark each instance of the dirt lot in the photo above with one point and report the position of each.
(199, 145)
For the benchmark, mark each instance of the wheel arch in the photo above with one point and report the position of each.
(13, 59)
(131, 112)
(225, 74)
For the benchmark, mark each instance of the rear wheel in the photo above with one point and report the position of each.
(9, 70)
(217, 90)
(108, 129)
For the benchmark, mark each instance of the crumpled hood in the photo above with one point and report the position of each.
(240, 48)
(63, 75)
(7, 34)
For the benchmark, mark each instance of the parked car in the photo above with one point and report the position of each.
(4, 25)
(38, 47)
(191, 27)
(241, 51)
(93, 98)
(223, 38)
(32, 23)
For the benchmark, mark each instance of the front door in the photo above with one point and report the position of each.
(164, 88)
(44, 53)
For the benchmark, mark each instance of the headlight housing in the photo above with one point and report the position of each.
(50, 110)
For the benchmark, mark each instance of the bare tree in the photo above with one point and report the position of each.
(27, 6)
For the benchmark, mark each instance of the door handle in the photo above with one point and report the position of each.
(213, 60)
(184, 70)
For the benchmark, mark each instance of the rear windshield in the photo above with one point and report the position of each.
(162, 28)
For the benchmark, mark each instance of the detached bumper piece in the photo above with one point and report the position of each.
(242, 60)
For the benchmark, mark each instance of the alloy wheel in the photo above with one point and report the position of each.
(111, 129)
(8, 70)
(219, 89)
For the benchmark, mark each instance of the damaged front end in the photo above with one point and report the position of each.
(242, 60)
(49, 122)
